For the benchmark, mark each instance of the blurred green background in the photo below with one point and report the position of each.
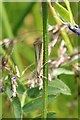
(25, 20)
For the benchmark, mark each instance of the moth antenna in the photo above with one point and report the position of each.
(45, 64)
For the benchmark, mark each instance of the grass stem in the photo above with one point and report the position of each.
(45, 58)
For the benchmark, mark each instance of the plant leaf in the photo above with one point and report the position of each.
(20, 88)
(70, 12)
(59, 71)
(17, 107)
(60, 87)
(53, 90)
(23, 99)
(49, 115)
(8, 91)
(64, 13)
(36, 104)
(33, 92)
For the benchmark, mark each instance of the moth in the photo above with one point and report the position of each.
(37, 75)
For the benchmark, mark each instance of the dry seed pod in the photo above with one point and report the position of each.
(2, 88)
(14, 85)
(4, 61)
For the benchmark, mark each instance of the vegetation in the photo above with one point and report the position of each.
(39, 59)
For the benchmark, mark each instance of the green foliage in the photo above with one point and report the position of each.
(49, 115)
(70, 13)
(17, 107)
(57, 86)
(24, 19)
(20, 89)
(36, 103)
(63, 12)
(33, 93)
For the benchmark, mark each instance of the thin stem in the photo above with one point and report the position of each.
(63, 33)
(45, 59)
(70, 12)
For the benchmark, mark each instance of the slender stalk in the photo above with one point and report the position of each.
(70, 12)
(63, 33)
(45, 59)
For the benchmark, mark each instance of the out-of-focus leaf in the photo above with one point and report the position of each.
(17, 107)
(23, 98)
(8, 91)
(59, 71)
(64, 14)
(37, 16)
(30, 55)
(20, 88)
(53, 90)
(33, 92)
(51, 19)
(36, 104)
(70, 12)
(32, 105)
(24, 14)
(59, 87)
(49, 115)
